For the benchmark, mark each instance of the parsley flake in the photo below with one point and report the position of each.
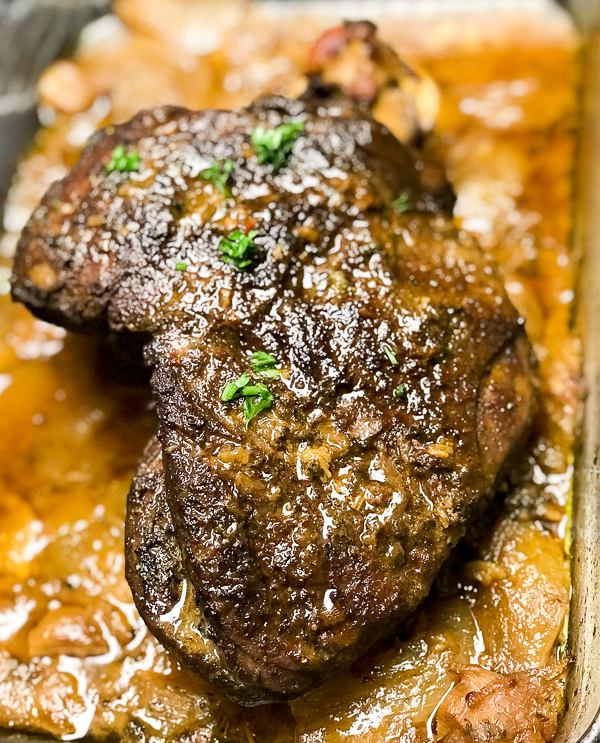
(400, 390)
(120, 160)
(390, 354)
(181, 266)
(270, 373)
(256, 402)
(219, 176)
(275, 145)
(4, 282)
(238, 248)
(257, 397)
(403, 203)
(263, 363)
(234, 389)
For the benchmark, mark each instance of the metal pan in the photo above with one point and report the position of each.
(581, 721)
(31, 36)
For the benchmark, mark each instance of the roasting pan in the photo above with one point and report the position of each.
(581, 721)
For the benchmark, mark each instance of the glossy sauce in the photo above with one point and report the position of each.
(75, 658)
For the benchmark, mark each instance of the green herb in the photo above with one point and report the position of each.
(255, 402)
(238, 248)
(270, 373)
(390, 354)
(57, 203)
(275, 145)
(263, 363)
(4, 284)
(123, 162)
(403, 203)
(250, 389)
(181, 266)
(400, 390)
(234, 389)
(219, 176)
(257, 397)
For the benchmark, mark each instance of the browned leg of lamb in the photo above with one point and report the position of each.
(340, 375)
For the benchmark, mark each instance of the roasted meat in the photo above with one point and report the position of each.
(354, 60)
(165, 597)
(341, 378)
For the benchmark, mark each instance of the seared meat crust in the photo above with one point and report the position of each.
(296, 543)
(165, 598)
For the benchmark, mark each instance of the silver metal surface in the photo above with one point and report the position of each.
(32, 34)
(581, 721)
(373, 8)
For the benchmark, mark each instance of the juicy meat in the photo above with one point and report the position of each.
(166, 599)
(272, 554)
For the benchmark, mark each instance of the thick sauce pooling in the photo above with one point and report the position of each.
(494, 620)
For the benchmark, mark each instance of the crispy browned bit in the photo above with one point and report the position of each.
(43, 276)
(485, 706)
(353, 58)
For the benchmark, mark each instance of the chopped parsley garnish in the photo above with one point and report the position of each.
(181, 266)
(275, 145)
(238, 248)
(400, 390)
(263, 363)
(233, 389)
(403, 203)
(257, 397)
(219, 176)
(120, 160)
(390, 354)
(270, 373)
(4, 284)
(253, 405)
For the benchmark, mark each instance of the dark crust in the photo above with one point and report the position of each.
(84, 296)
(320, 529)
(164, 596)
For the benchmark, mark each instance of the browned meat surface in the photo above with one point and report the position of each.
(166, 599)
(353, 58)
(296, 539)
